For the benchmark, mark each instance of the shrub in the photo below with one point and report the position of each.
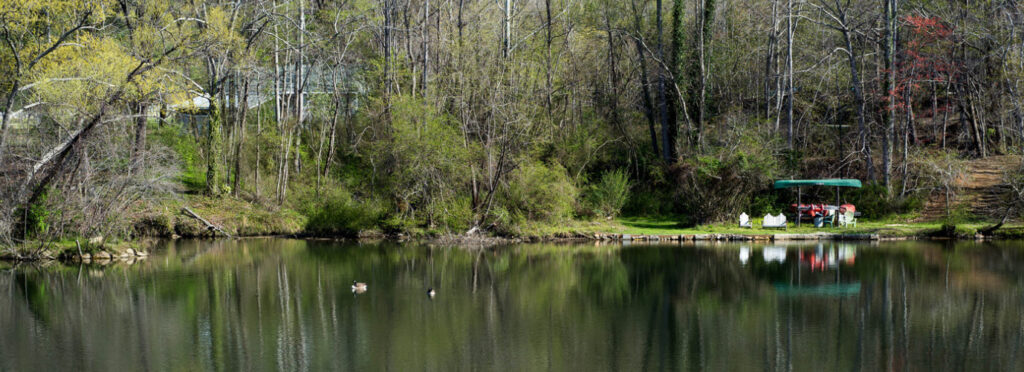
(871, 200)
(154, 224)
(766, 203)
(338, 214)
(540, 193)
(606, 197)
(425, 161)
(453, 214)
(715, 188)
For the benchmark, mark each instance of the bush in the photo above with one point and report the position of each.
(874, 201)
(454, 214)
(766, 203)
(154, 224)
(607, 197)
(540, 193)
(715, 188)
(338, 214)
(425, 162)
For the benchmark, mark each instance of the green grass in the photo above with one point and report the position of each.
(888, 227)
(547, 229)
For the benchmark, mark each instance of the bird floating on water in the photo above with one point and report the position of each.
(358, 287)
(431, 292)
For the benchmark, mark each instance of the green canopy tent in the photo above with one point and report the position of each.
(836, 182)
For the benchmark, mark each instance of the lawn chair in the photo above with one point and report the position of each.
(745, 221)
(847, 219)
(774, 222)
(828, 220)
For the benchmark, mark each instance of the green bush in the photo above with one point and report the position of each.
(338, 214)
(872, 200)
(540, 193)
(766, 203)
(452, 214)
(37, 218)
(719, 187)
(425, 165)
(606, 197)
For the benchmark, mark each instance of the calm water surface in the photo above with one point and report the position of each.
(275, 304)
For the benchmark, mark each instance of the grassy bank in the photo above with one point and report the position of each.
(236, 217)
(890, 227)
(884, 228)
(164, 219)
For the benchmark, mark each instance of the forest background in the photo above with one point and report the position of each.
(454, 116)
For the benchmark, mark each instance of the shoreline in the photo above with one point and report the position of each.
(67, 251)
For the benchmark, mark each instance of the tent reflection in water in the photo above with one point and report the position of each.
(819, 261)
(799, 184)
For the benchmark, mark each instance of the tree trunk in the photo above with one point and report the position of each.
(426, 45)
(769, 58)
(890, 87)
(662, 97)
(213, 149)
(645, 83)
(243, 107)
(259, 137)
(707, 21)
(506, 32)
(858, 96)
(789, 73)
(278, 114)
(5, 123)
(547, 60)
(139, 146)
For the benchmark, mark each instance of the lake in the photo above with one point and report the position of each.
(281, 304)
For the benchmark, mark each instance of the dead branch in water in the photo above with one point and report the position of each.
(209, 226)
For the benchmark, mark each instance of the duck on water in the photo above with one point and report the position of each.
(358, 287)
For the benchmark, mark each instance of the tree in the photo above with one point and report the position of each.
(27, 45)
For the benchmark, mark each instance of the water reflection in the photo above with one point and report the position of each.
(266, 304)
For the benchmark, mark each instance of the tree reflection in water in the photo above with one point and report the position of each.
(286, 304)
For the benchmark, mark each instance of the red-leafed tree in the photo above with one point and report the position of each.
(925, 61)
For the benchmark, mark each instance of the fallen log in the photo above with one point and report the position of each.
(209, 226)
(987, 231)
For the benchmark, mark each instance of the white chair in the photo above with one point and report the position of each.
(847, 219)
(778, 222)
(745, 221)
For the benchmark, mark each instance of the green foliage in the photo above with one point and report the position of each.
(427, 160)
(871, 200)
(650, 202)
(37, 217)
(336, 213)
(606, 197)
(540, 193)
(454, 214)
(766, 203)
(717, 188)
(875, 201)
(176, 137)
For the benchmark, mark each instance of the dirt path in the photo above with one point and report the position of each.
(981, 191)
